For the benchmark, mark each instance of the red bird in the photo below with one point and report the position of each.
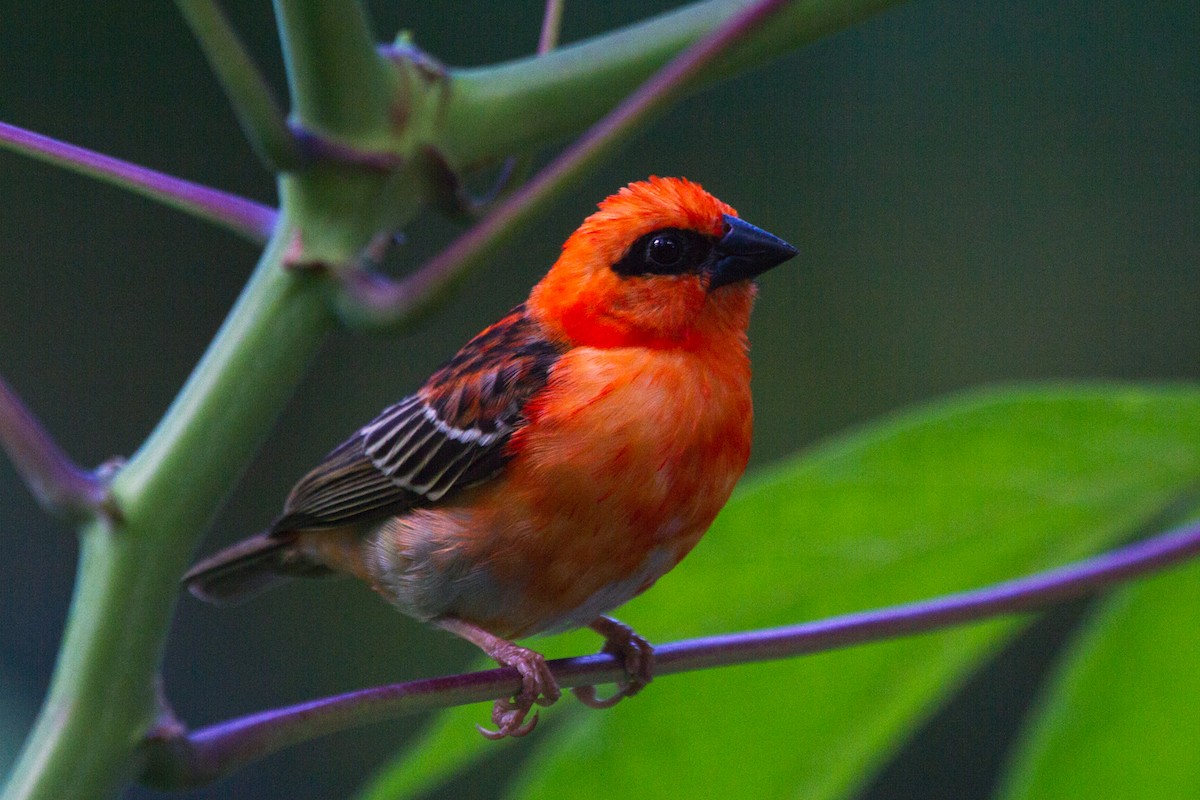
(563, 461)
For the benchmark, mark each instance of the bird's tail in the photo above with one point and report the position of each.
(241, 571)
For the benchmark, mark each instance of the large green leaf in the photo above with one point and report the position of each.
(1123, 720)
(973, 490)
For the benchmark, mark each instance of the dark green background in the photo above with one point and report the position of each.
(980, 192)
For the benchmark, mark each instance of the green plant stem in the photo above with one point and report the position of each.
(509, 108)
(338, 82)
(101, 700)
(357, 111)
(260, 116)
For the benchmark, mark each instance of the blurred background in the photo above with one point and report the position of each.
(981, 193)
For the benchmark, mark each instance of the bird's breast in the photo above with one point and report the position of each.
(627, 456)
(654, 438)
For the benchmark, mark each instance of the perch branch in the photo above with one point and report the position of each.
(176, 758)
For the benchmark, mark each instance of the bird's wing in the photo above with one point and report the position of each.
(453, 433)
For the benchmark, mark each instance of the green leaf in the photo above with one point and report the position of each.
(974, 490)
(1120, 721)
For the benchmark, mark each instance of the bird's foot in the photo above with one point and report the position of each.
(537, 682)
(635, 653)
(537, 687)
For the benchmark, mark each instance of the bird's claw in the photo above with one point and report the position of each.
(635, 653)
(509, 718)
(537, 686)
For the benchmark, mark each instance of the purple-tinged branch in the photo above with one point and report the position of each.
(379, 302)
(245, 217)
(176, 758)
(314, 148)
(61, 487)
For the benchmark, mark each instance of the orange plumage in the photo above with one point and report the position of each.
(565, 459)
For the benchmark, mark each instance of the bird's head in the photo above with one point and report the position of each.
(663, 263)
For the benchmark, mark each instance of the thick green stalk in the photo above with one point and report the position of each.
(338, 83)
(346, 98)
(101, 700)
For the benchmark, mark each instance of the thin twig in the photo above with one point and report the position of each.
(551, 26)
(61, 487)
(251, 220)
(258, 113)
(376, 302)
(176, 758)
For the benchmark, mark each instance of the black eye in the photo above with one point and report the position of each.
(665, 250)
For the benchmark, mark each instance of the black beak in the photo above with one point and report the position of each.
(745, 251)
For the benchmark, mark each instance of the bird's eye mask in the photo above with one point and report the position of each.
(667, 251)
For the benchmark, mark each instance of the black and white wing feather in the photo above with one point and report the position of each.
(421, 452)
(450, 435)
